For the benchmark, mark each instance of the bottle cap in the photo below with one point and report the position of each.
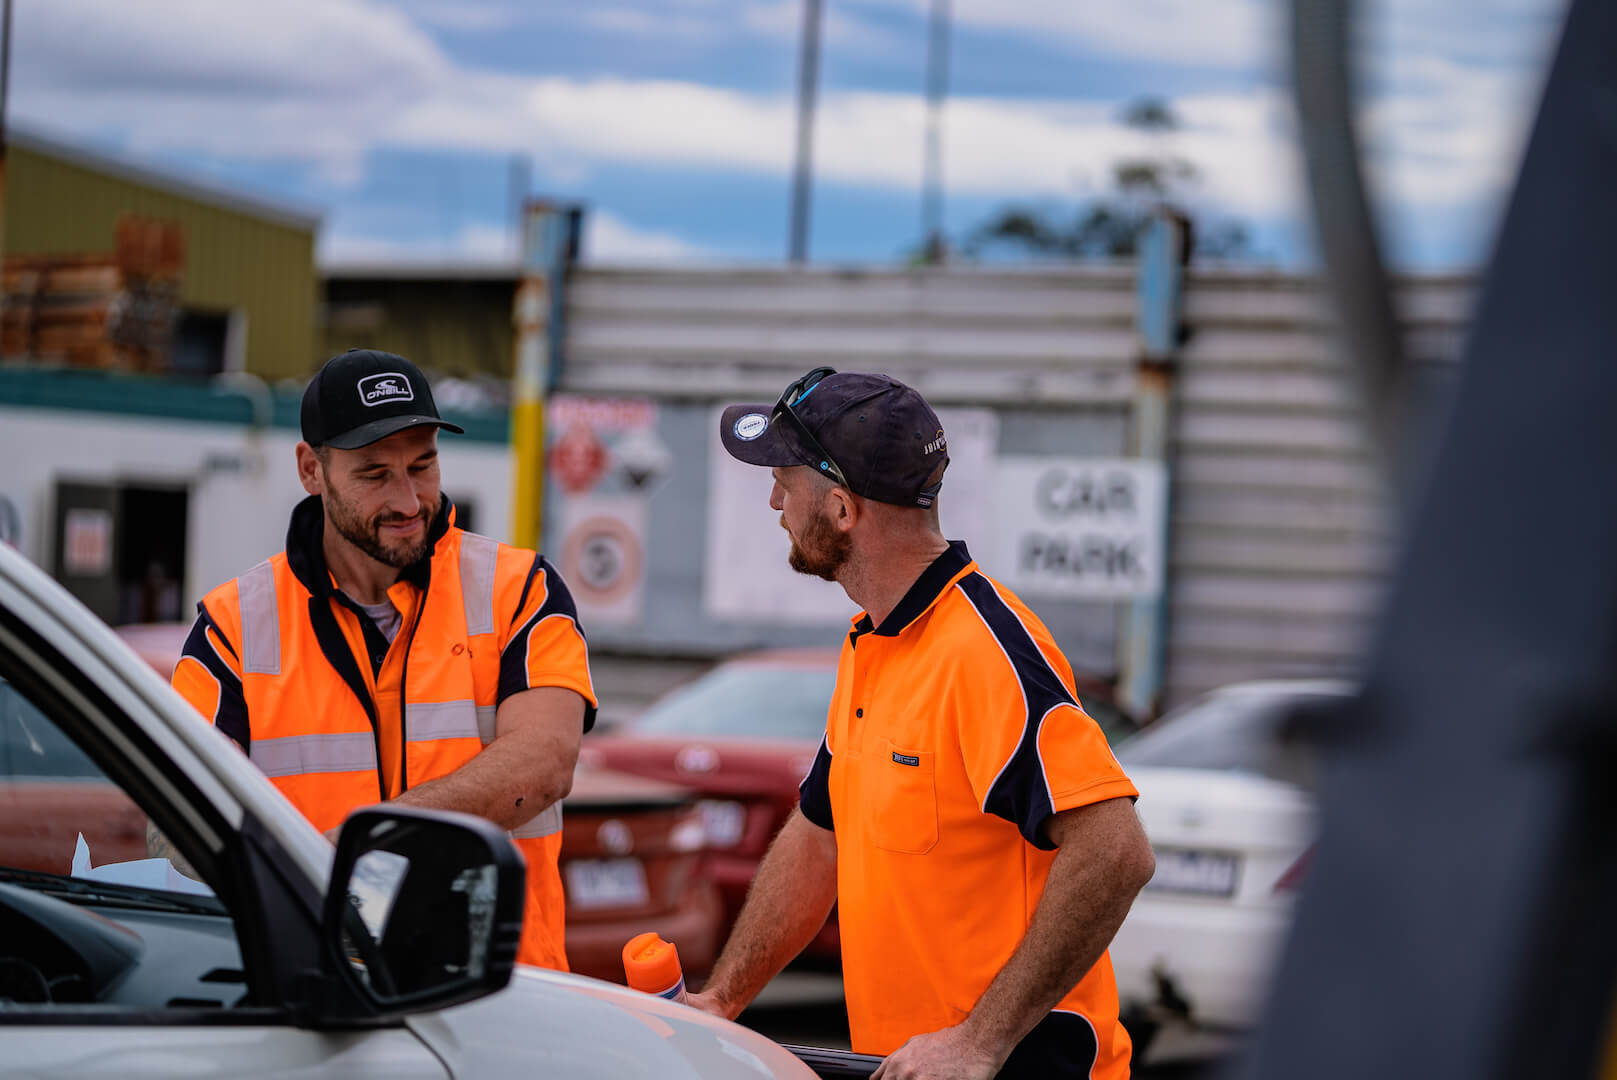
(651, 963)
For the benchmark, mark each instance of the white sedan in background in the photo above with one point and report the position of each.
(1228, 807)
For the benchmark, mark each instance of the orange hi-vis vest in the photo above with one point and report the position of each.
(282, 662)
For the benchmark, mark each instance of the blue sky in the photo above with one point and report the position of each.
(672, 120)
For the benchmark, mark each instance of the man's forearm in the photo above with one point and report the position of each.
(1086, 897)
(790, 897)
(159, 846)
(502, 783)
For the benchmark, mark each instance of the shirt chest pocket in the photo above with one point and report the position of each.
(903, 815)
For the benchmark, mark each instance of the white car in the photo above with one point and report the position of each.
(394, 960)
(1228, 808)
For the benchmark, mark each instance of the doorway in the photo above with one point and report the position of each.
(120, 548)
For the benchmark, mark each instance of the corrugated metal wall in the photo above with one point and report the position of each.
(999, 337)
(1054, 362)
(241, 256)
(1280, 529)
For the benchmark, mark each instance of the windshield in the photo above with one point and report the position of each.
(1224, 731)
(746, 699)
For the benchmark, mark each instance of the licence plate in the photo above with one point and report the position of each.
(601, 883)
(724, 822)
(1204, 873)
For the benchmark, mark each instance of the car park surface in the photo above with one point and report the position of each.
(298, 964)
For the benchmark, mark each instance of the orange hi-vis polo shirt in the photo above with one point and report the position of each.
(954, 734)
(338, 717)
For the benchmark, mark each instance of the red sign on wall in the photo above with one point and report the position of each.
(578, 459)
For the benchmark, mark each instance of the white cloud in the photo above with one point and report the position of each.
(610, 239)
(463, 16)
(480, 242)
(991, 146)
(329, 81)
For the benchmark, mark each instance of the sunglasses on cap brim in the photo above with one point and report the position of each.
(795, 393)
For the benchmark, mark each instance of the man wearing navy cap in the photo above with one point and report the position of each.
(388, 655)
(963, 813)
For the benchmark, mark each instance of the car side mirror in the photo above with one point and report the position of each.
(424, 909)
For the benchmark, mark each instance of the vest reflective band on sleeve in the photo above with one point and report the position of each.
(546, 823)
(478, 555)
(296, 755)
(260, 621)
(426, 721)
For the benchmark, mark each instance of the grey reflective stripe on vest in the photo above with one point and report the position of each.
(424, 721)
(260, 620)
(547, 823)
(478, 555)
(295, 755)
(485, 723)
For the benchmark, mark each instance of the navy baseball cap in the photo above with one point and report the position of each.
(875, 435)
(364, 395)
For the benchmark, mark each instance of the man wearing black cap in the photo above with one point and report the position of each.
(387, 655)
(963, 813)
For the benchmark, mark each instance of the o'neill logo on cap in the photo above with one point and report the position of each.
(751, 426)
(385, 387)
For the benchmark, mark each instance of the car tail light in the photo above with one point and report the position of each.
(1292, 879)
(688, 835)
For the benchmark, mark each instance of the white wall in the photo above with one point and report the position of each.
(242, 481)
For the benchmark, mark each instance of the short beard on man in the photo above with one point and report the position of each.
(822, 550)
(367, 536)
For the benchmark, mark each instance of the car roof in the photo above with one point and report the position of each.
(800, 657)
(1284, 688)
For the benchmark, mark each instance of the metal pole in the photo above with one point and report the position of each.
(937, 87)
(519, 181)
(549, 245)
(1142, 642)
(808, 78)
(5, 94)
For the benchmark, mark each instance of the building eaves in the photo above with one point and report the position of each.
(406, 270)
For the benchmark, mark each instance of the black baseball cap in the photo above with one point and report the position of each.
(364, 395)
(880, 434)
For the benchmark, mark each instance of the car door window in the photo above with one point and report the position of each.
(85, 917)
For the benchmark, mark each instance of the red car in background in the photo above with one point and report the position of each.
(744, 734)
(631, 853)
(50, 792)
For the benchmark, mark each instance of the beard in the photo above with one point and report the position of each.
(367, 535)
(821, 551)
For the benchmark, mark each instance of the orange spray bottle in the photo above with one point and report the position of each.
(652, 965)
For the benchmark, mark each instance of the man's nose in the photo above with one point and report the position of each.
(777, 497)
(402, 498)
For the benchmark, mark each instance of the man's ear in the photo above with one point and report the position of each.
(844, 508)
(309, 474)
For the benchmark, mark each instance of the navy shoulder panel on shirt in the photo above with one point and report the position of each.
(232, 715)
(814, 793)
(514, 657)
(1020, 794)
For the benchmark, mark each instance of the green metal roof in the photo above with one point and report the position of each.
(222, 401)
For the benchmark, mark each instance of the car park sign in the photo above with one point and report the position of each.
(1079, 527)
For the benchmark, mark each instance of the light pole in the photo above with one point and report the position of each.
(808, 77)
(937, 88)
